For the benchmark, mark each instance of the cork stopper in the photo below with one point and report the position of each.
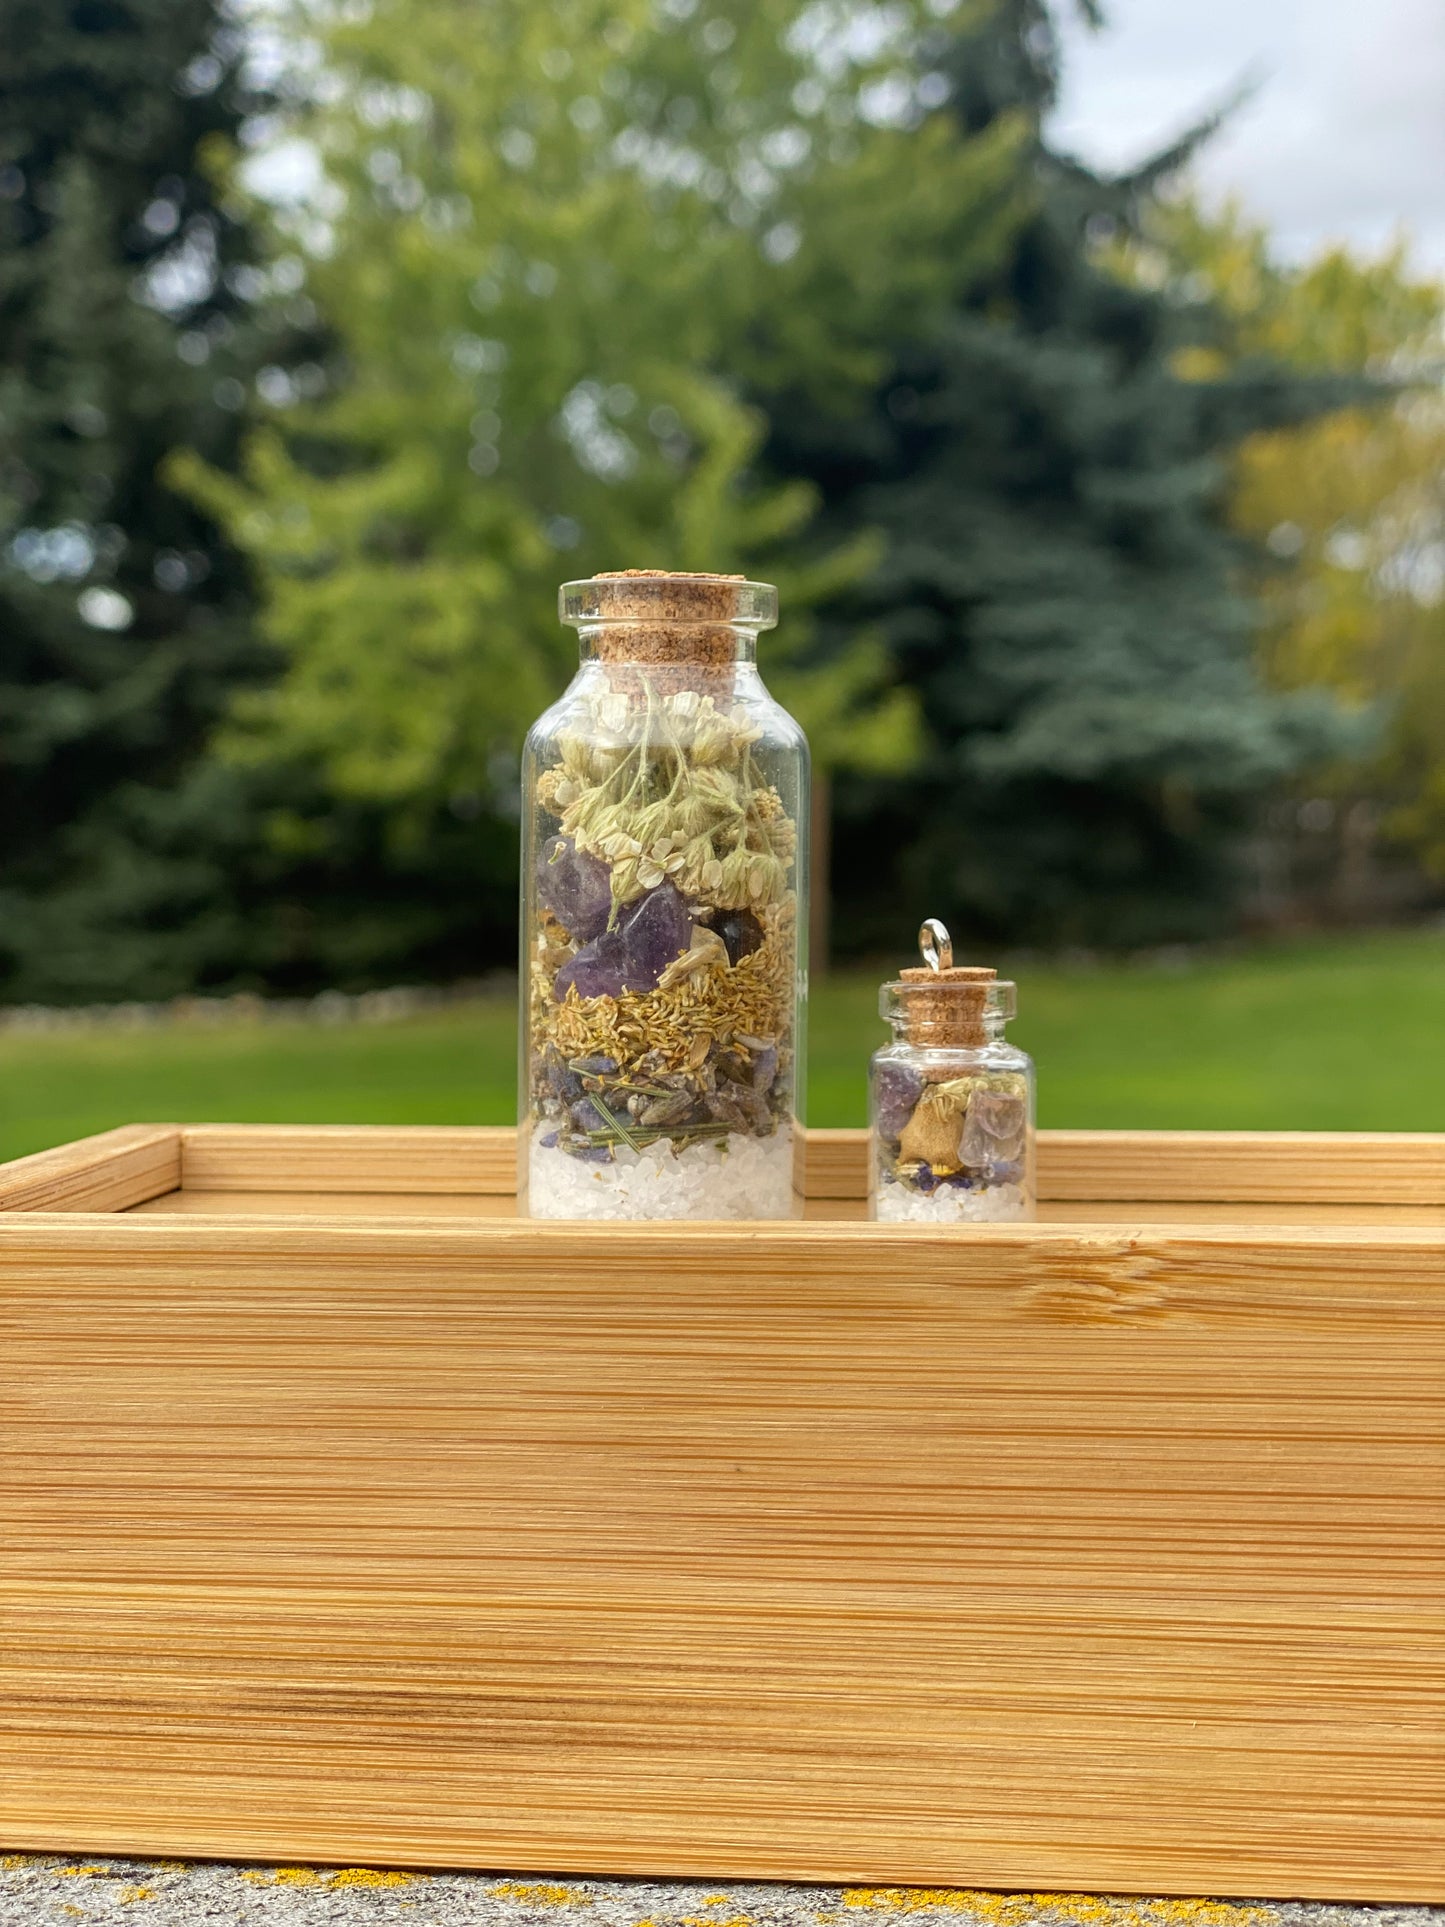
(654, 615)
(942, 1004)
(946, 1006)
(668, 629)
(666, 616)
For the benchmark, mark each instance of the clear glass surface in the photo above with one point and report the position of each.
(951, 1131)
(664, 928)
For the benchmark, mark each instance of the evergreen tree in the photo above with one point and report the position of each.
(125, 329)
(1060, 586)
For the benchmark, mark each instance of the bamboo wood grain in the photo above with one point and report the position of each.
(436, 1159)
(355, 1205)
(1286, 1167)
(1049, 1557)
(489, 1205)
(111, 1172)
(1259, 1167)
(1281, 1167)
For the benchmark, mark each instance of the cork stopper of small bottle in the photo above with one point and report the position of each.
(944, 1003)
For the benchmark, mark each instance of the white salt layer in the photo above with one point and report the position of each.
(951, 1204)
(738, 1177)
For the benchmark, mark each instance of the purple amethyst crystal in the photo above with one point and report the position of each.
(896, 1090)
(575, 887)
(597, 971)
(649, 934)
(656, 930)
(926, 1178)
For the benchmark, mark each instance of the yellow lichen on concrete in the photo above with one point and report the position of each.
(340, 1877)
(371, 1877)
(129, 1895)
(1096, 1910)
(1078, 1910)
(543, 1894)
(87, 1872)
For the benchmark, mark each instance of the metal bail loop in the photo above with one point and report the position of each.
(935, 945)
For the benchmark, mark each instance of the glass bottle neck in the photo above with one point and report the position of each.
(987, 1028)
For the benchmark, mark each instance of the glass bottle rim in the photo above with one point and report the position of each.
(594, 602)
(994, 998)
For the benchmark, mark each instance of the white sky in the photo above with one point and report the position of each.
(1345, 139)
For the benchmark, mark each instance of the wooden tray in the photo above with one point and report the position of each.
(345, 1519)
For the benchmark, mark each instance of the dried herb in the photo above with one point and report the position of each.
(659, 801)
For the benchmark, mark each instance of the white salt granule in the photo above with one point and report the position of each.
(740, 1177)
(951, 1204)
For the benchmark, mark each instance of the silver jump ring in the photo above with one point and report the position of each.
(935, 945)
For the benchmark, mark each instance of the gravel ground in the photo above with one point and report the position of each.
(48, 1890)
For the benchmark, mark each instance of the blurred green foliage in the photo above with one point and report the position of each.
(137, 315)
(574, 294)
(1352, 508)
(126, 617)
(1060, 584)
(792, 288)
(556, 256)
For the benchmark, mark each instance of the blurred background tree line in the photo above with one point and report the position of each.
(1112, 549)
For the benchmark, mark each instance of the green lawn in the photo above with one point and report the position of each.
(1346, 1035)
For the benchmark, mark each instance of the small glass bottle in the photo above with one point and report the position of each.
(664, 913)
(950, 1104)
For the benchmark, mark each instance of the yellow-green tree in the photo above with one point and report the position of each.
(1352, 505)
(555, 244)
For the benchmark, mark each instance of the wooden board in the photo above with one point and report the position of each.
(1060, 1556)
(111, 1172)
(423, 1159)
(129, 1166)
(352, 1205)
(1294, 1167)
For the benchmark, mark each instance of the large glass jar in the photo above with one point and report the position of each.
(664, 913)
(950, 1102)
